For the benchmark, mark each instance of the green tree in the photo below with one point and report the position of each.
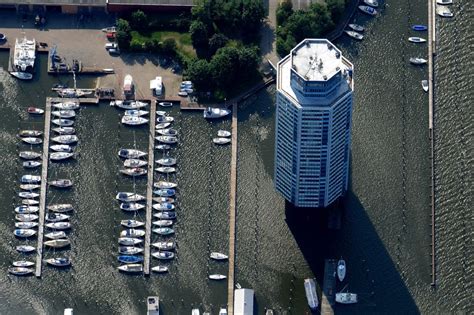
(217, 41)
(251, 17)
(336, 8)
(199, 37)
(198, 71)
(139, 20)
(123, 25)
(123, 39)
(136, 45)
(248, 61)
(224, 67)
(284, 11)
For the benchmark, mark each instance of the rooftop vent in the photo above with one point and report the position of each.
(329, 46)
(325, 77)
(306, 42)
(338, 55)
(337, 68)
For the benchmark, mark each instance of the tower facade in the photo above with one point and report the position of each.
(313, 124)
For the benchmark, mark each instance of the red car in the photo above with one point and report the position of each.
(110, 35)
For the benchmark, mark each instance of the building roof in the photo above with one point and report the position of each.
(316, 59)
(243, 302)
(56, 2)
(152, 2)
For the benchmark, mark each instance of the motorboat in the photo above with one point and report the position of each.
(163, 199)
(72, 92)
(341, 269)
(132, 163)
(415, 39)
(165, 192)
(63, 122)
(55, 235)
(418, 61)
(132, 223)
(217, 277)
(67, 105)
(356, 27)
(59, 225)
(182, 93)
(164, 207)
(163, 223)
(61, 183)
(223, 311)
(24, 232)
(163, 231)
(223, 133)
(29, 155)
(128, 104)
(354, 35)
(444, 2)
(221, 140)
(167, 132)
(368, 10)
(56, 217)
(23, 263)
(129, 241)
(444, 12)
(59, 243)
(31, 164)
(131, 268)
(134, 120)
(419, 28)
(29, 202)
(165, 185)
(131, 206)
(58, 262)
(61, 207)
(129, 259)
(372, 3)
(26, 225)
(32, 140)
(161, 113)
(164, 245)
(132, 233)
(167, 139)
(160, 269)
(136, 171)
(30, 133)
(165, 215)
(218, 256)
(166, 169)
(29, 187)
(165, 104)
(131, 153)
(64, 113)
(26, 217)
(24, 55)
(30, 179)
(26, 209)
(129, 196)
(35, 110)
(65, 139)
(162, 146)
(136, 112)
(61, 148)
(211, 112)
(130, 250)
(164, 255)
(25, 248)
(162, 125)
(311, 295)
(195, 311)
(346, 298)
(65, 130)
(164, 119)
(20, 271)
(166, 161)
(22, 75)
(425, 85)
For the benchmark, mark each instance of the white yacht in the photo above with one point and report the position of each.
(444, 12)
(418, 61)
(415, 39)
(65, 139)
(223, 133)
(354, 35)
(167, 162)
(311, 295)
(153, 305)
(346, 298)
(128, 104)
(218, 256)
(134, 120)
(444, 1)
(215, 112)
(25, 54)
(341, 269)
(424, 85)
(221, 140)
(372, 3)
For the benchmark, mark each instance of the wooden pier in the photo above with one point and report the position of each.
(43, 188)
(232, 213)
(149, 189)
(329, 287)
(431, 54)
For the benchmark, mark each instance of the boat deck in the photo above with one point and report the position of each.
(44, 178)
(329, 287)
(149, 189)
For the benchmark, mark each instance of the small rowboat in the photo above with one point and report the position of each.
(35, 111)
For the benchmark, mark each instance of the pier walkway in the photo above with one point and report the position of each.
(149, 188)
(44, 178)
(232, 212)
(329, 287)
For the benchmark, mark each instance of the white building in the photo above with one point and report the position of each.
(313, 123)
(243, 302)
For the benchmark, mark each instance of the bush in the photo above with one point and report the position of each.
(169, 46)
(123, 39)
(139, 20)
(284, 11)
(137, 45)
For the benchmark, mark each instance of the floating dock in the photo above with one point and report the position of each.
(149, 188)
(329, 287)
(44, 179)
(232, 212)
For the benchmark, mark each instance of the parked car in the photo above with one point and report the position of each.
(111, 46)
(110, 35)
(114, 51)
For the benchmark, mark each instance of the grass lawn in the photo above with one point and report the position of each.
(183, 40)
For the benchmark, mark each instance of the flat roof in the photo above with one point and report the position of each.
(243, 302)
(56, 2)
(153, 2)
(316, 59)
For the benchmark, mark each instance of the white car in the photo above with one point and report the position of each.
(114, 51)
(109, 46)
